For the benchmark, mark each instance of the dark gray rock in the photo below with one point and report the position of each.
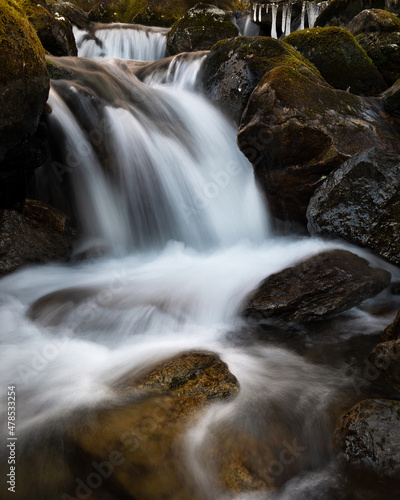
(368, 437)
(392, 332)
(341, 12)
(373, 21)
(391, 98)
(325, 284)
(386, 357)
(360, 202)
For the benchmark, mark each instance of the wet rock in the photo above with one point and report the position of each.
(340, 59)
(235, 67)
(200, 28)
(360, 202)
(146, 431)
(295, 131)
(368, 437)
(386, 357)
(38, 234)
(328, 283)
(341, 12)
(392, 332)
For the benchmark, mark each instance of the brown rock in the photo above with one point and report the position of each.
(386, 357)
(325, 284)
(392, 332)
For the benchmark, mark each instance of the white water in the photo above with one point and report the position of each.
(187, 237)
(123, 41)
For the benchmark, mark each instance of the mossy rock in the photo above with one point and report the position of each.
(296, 131)
(339, 58)
(373, 21)
(147, 12)
(200, 28)
(73, 13)
(24, 81)
(341, 12)
(53, 30)
(234, 67)
(384, 51)
(56, 71)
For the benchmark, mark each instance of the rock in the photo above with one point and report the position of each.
(373, 21)
(391, 98)
(146, 431)
(339, 58)
(386, 357)
(328, 283)
(24, 82)
(38, 234)
(384, 51)
(295, 131)
(73, 13)
(392, 332)
(360, 202)
(341, 12)
(199, 29)
(53, 30)
(234, 68)
(368, 437)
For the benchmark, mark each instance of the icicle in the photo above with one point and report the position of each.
(259, 13)
(288, 19)
(313, 11)
(267, 9)
(284, 11)
(274, 10)
(303, 13)
(255, 12)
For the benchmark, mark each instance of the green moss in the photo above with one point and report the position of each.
(341, 60)
(21, 53)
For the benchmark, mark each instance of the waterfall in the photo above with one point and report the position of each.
(125, 41)
(313, 11)
(274, 10)
(171, 160)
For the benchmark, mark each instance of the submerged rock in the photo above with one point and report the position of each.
(38, 234)
(199, 29)
(368, 437)
(235, 67)
(295, 131)
(360, 202)
(146, 432)
(328, 283)
(339, 58)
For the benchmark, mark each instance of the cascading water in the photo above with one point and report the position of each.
(160, 185)
(125, 41)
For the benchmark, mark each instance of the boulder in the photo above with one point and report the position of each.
(392, 332)
(386, 357)
(53, 30)
(384, 51)
(360, 202)
(199, 29)
(368, 437)
(295, 131)
(341, 12)
(73, 13)
(146, 430)
(340, 59)
(325, 284)
(38, 234)
(24, 81)
(234, 68)
(373, 21)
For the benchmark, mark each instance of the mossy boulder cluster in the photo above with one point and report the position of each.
(199, 29)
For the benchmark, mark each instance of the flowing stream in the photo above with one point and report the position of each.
(162, 193)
